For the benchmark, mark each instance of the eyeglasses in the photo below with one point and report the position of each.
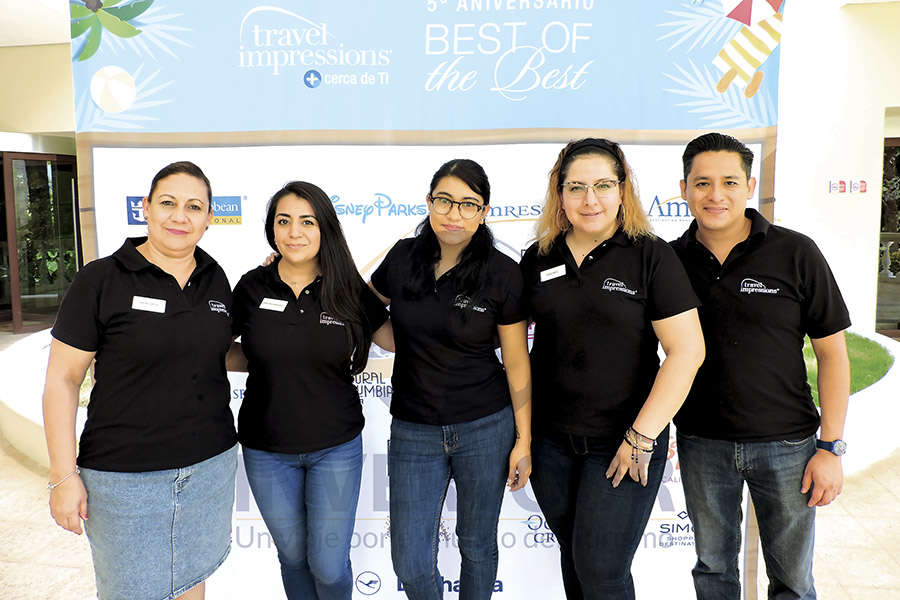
(467, 209)
(604, 187)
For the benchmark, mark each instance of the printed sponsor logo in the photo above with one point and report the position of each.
(368, 583)
(670, 209)
(452, 586)
(752, 286)
(217, 307)
(326, 319)
(381, 205)
(614, 285)
(312, 78)
(135, 209)
(226, 210)
(280, 41)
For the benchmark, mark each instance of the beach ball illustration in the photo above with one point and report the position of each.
(113, 89)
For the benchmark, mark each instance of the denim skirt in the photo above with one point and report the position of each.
(155, 535)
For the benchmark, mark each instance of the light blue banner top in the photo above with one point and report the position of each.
(208, 65)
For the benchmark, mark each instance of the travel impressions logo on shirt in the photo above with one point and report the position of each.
(326, 319)
(226, 210)
(218, 307)
(752, 286)
(281, 41)
(614, 285)
(462, 301)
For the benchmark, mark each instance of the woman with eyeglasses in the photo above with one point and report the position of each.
(458, 412)
(603, 291)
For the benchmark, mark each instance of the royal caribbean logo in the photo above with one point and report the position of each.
(135, 210)
(226, 210)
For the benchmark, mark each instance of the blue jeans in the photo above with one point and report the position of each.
(421, 461)
(598, 527)
(713, 473)
(308, 502)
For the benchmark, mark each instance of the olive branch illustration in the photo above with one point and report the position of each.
(93, 16)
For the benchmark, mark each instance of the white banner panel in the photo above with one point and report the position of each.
(379, 193)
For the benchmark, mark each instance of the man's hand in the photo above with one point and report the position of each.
(825, 474)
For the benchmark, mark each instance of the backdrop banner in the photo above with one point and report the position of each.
(376, 208)
(479, 79)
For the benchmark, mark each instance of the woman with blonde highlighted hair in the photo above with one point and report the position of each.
(630, 215)
(603, 292)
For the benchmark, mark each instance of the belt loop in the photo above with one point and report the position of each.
(579, 444)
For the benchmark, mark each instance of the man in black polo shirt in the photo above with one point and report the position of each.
(749, 416)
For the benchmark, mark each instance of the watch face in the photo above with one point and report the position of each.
(840, 447)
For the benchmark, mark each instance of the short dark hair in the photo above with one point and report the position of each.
(716, 142)
(186, 167)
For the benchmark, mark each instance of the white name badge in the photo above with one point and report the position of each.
(553, 273)
(273, 304)
(149, 304)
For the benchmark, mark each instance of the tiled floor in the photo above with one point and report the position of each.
(857, 546)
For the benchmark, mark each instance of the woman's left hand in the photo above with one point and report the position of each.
(623, 463)
(519, 466)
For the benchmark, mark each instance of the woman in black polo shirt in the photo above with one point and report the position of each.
(306, 321)
(602, 291)
(451, 295)
(156, 462)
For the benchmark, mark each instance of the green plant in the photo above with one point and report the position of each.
(869, 361)
(94, 16)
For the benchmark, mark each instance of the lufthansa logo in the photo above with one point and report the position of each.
(368, 583)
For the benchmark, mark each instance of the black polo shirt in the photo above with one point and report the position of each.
(773, 289)
(161, 395)
(446, 370)
(300, 395)
(594, 357)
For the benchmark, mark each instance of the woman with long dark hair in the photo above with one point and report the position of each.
(458, 412)
(306, 321)
(603, 292)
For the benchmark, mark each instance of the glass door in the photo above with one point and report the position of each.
(42, 234)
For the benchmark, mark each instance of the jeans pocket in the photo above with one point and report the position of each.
(796, 443)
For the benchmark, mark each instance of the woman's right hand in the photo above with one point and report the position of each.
(68, 504)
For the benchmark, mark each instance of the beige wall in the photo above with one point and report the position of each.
(838, 77)
(36, 89)
(892, 122)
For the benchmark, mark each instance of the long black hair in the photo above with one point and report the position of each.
(471, 271)
(341, 282)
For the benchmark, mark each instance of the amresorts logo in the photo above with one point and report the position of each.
(226, 210)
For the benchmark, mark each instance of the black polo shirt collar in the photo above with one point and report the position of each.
(759, 229)
(560, 249)
(132, 260)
